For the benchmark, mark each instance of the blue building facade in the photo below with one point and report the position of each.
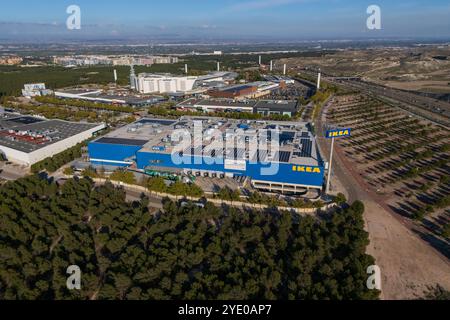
(124, 155)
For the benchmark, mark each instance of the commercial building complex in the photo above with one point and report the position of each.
(10, 60)
(263, 107)
(160, 83)
(219, 76)
(91, 60)
(279, 79)
(226, 148)
(246, 91)
(220, 84)
(35, 90)
(98, 95)
(26, 140)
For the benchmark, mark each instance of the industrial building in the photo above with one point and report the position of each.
(263, 107)
(35, 90)
(92, 60)
(27, 140)
(163, 83)
(248, 149)
(279, 79)
(218, 84)
(219, 76)
(98, 95)
(246, 91)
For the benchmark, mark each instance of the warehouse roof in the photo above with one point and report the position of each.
(274, 105)
(296, 142)
(271, 105)
(28, 134)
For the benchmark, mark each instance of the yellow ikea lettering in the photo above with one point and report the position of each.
(341, 133)
(306, 169)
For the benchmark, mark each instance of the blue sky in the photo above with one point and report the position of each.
(287, 19)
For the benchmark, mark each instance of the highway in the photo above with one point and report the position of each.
(434, 110)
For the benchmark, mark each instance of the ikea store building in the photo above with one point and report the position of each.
(290, 163)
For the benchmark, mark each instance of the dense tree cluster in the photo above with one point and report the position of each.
(12, 78)
(82, 104)
(123, 176)
(177, 188)
(186, 251)
(59, 112)
(228, 194)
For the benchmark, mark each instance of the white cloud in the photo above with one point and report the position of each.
(262, 4)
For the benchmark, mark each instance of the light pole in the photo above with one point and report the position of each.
(332, 134)
(327, 190)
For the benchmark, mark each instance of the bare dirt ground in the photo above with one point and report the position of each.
(424, 69)
(408, 264)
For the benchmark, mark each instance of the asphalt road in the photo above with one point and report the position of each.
(434, 110)
(155, 202)
(431, 109)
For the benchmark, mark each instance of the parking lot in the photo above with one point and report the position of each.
(292, 92)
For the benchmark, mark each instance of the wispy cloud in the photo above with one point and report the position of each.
(261, 4)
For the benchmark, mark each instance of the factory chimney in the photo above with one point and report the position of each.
(186, 68)
(260, 60)
(271, 65)
(284, 69)
(115, 75)
(218, 65)
(318, 80)
(132, 78)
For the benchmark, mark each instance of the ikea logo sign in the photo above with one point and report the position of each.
(338, 133)
(306, 169)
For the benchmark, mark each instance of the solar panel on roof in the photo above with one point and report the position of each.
(306, 150)
(120, 141)
(287, 137)
(259, 156)
(156, 121)
(235, 153)
(24, 120)
(283, 156)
